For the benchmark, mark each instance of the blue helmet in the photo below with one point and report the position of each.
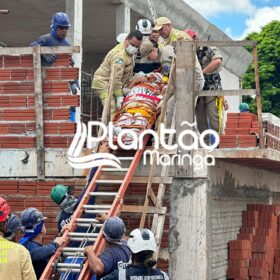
(114, 229)
(60, 19)
(31, 217)
(14, 225)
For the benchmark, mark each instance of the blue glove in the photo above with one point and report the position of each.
(49, 58)
(74, 86)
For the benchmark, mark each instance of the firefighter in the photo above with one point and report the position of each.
(15, 261)
(14, 228)
(149, 57)
(155, 36)
(116, 249)
(164, 26)
(122, 59)
(142, 245)
(209, 109)
(34, 231)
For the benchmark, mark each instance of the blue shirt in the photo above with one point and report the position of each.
(40, 255)
(49, 40)
(112, 255)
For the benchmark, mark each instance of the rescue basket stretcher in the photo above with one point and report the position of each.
(140, 107)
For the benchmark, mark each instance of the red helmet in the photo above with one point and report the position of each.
(4, 210)
(192, 33)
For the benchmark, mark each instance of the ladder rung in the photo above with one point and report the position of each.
(109, 181)
(82, 234)
(125, 158)
(81, 238)
(103, 193)
(87, 225)
(114, 169)
(69, 265)
(96, 211)
(73, 254)
(72, 249)
(60, 269)
(104, 206)
(86, 220)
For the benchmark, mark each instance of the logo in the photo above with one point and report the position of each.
(89, 161)
(136, 141)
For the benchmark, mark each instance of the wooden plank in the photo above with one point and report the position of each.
(149, 191)
(229, 43)
(184, 98)
(139, 209)
(258, 97)
(158, 220)
(39, 113)
(140, 179)
(232, 92)
(46, 50)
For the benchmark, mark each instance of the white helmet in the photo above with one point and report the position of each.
(141, 239)
(121, 37)
(144, 26)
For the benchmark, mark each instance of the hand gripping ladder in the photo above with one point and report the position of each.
(55, 266)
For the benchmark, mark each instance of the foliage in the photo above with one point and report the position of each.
(268, 45)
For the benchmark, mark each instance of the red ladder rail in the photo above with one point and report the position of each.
(86, 273)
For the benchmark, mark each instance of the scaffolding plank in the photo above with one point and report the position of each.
(39, 113)
(46, 50)
(139, 209)
(232, 92)
(228, 43)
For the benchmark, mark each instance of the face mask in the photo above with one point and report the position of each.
(131, 50)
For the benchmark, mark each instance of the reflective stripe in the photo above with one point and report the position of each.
(122, 273)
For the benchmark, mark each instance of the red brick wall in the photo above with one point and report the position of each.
(17, 131)
(17, 106)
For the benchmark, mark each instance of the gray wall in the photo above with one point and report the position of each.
(232, 188)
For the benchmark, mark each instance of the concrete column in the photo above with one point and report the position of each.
(188, 228)
(74, 9)
(122, 19)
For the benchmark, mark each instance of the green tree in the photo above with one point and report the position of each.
(268, 45)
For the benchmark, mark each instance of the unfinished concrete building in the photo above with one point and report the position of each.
(204, 207)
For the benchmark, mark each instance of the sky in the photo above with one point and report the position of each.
(237, 18)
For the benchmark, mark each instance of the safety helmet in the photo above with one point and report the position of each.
(4, 209)
(58, 192)
(113, 229)
(192, 33)
(31, 217)
(244, 107)
(141, 239)
(14, 225)
(60, 19)
(144, 26)
(121, 37)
